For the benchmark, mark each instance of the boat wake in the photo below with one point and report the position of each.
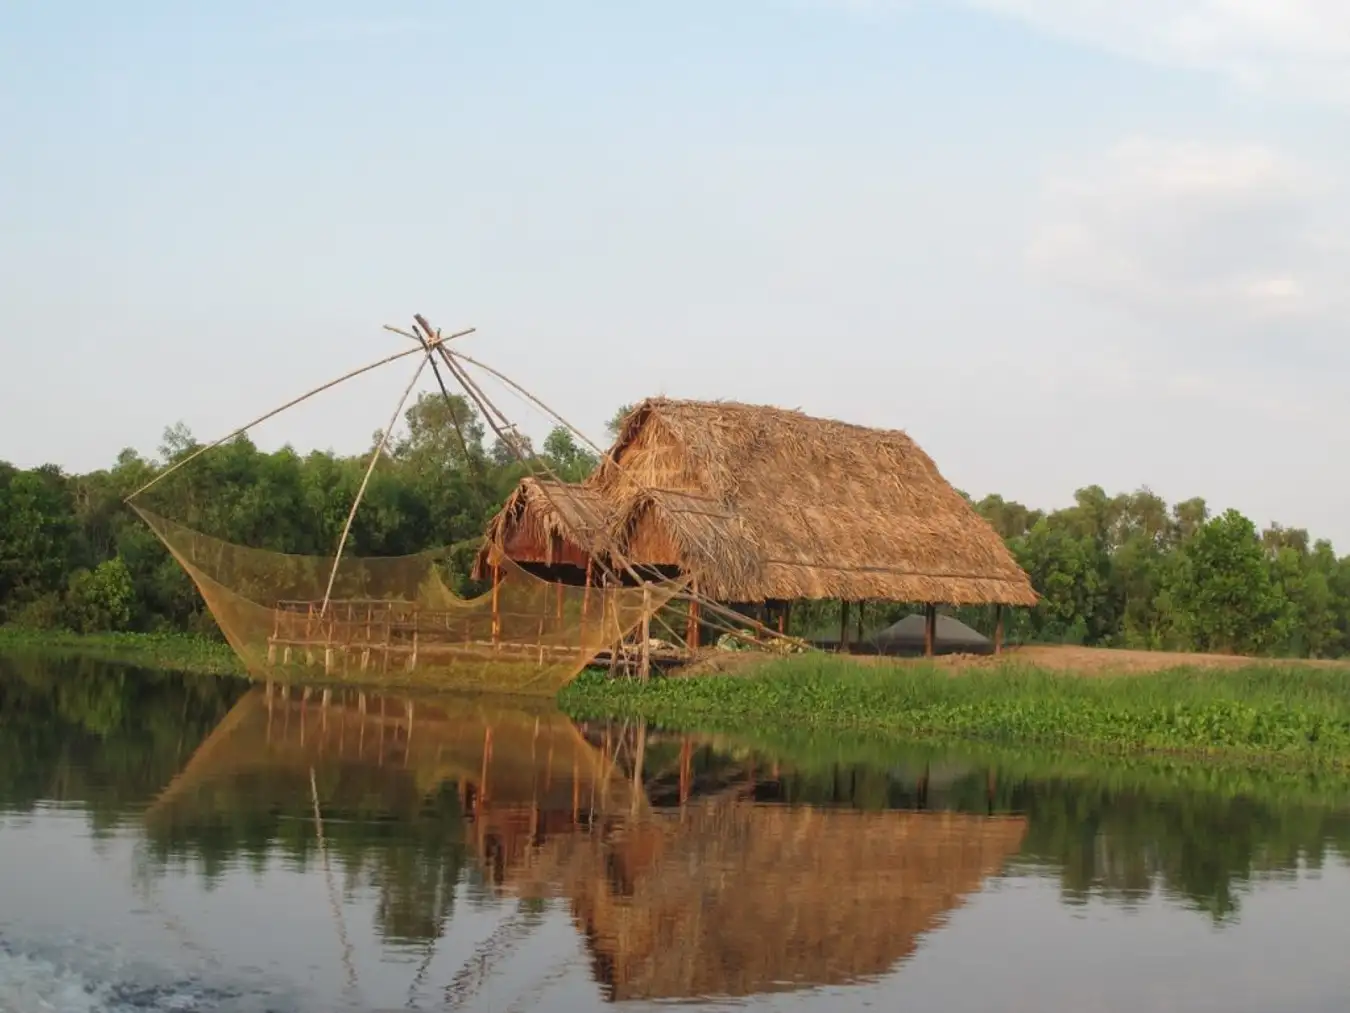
(37, 982)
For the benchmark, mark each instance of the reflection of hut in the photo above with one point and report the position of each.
(403, 747)
(548, 527)
(733, 899)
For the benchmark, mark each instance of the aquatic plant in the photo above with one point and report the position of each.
(1262, 710)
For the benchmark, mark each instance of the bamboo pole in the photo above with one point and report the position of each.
(998, 629)
(263, 418)
(360, 492)
(645, 662)
(929, 629)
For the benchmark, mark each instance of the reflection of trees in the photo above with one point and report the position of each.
(78, 730)
(1121, 842)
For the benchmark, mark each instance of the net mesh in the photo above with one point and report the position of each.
(393, 620)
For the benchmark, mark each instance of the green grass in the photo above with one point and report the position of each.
(1259, 711)
(177, 651)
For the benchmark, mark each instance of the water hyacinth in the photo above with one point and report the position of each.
(1260, 710)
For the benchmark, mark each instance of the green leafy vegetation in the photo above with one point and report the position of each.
(172, 652)
(1258, 711)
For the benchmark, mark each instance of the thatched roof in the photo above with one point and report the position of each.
(764, 503)
(548, 522)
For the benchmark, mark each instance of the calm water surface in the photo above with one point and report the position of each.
(176, 843)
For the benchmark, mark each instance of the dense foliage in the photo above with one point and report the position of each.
(1125, 571)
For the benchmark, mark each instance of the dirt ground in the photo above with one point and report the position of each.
(1084, 661)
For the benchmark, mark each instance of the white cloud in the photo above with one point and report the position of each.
(1229, 237)
(1294, 46)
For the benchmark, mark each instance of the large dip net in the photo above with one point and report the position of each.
(393, 621)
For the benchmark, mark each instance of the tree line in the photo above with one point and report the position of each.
(1128, 570)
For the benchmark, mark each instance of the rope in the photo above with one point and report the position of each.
(263, 418)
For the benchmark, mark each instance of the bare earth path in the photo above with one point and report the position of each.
(1084, 661)
(1090, 661)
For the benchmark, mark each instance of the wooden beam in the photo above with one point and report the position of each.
(998, 629)
(843, 627)
(929, 629)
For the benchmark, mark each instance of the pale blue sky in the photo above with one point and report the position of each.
(1058, 241)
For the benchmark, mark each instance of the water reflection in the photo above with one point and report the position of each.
(684, 866)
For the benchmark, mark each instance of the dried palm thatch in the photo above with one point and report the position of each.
(547, 522)
(762, 503)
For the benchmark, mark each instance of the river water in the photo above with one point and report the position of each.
(178, 843)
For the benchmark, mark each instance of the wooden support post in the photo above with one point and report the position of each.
(787, 617)
(645, 662)
(929, 629)
(998, 629)
(862, 607)
(691, 632)
(586, 594)
(843, 627)
(782, 617)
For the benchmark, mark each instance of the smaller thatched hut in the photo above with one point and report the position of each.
(547, 524)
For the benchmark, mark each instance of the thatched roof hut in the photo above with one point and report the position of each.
(763, 503)
(547, 523)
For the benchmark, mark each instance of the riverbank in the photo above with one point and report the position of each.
(179, 652)
(1253, 712)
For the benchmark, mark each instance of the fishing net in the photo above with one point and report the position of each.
(393, 621)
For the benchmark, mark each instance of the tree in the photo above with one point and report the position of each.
(615, 424)
(568, 459)
(100, 600)
(1069, 570)
(1221, 592)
